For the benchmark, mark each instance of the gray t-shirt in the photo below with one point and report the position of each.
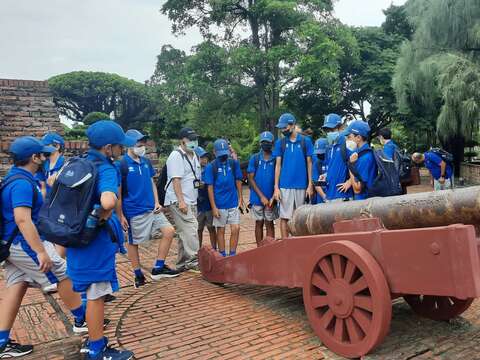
(178, 167)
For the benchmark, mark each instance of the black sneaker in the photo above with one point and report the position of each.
(81, 327)
(164, 272)
(109, 298)
(139, 281)
(12, 349)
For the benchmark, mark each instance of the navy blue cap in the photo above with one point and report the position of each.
(359, 127)
(221, 147)
(188, 133)
(137, 135)
(53, 138)
(266, 136)
(332, 121)
(24, 147)
(320, 146)
(200, 151)
(106, 132)
(286, 119)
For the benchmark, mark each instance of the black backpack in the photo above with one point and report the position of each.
(63, 216)
(404, 165)
(6, 243)
(387, 182)
(446, 156)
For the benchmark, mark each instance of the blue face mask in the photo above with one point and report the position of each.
(332, 137)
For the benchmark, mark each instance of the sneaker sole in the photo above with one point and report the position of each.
(8, 355)
(158, 277)
(77, 330)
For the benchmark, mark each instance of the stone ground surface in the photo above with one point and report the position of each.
(188, 318)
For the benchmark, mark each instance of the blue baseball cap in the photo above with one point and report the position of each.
(221, 147)
(332, 121)
(53, 138)
(200, 151)
(106, 132)
(137, 135)
(320, 146)
(24, 147)
(359, 127)
(286, 119)
(266, 136)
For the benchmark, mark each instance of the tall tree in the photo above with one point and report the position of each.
(438, 73)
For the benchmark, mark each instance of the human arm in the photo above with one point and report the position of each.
(443, 169)
(119, 210)
(310, 190)
(211, 198)
(254, 187)
(278, 168)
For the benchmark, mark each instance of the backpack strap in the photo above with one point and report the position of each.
(3, 185)
(256, 162)
(215, 170)
(124, 176)
(230, 163)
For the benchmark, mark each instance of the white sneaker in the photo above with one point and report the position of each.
(50, 289)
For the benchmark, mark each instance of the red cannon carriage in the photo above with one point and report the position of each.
(369, 257)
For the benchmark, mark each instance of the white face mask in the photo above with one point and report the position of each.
(139, 151)
(351, 145)
(191, 145)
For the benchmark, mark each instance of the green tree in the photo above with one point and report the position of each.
(438, 74)
(94, 116)
(79, 93)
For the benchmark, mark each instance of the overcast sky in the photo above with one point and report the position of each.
(42, 38)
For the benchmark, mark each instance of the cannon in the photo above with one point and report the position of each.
(352, 259)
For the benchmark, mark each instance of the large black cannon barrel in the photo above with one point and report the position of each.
(439, 208)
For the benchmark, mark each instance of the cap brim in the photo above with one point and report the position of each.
(281, 126)
(129, 141)
(222, 153)
(329, 126)
(48, 149)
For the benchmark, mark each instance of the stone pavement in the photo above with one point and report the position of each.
(188, 318)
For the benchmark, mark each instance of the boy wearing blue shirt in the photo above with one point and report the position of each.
(31, 260)
(363, 168)
(224, 179)
(204, 209)
(54, 163)
(92, 268)
(441, 171)
(338, 188)
(293, 170)
(261, 177)
(389, 146)
(140, 211)
(319, 171)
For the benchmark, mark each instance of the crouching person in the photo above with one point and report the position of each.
(30, 259)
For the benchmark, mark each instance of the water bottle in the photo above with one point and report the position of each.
(91, 226)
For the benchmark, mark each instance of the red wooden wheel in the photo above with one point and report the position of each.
(437, 307)
(346, 298)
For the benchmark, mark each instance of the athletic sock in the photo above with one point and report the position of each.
(223, 253)
(159, 264)
(138, 272)
(4, 336)
(232, 253)
(96, 347)
(79, 313)
(83, 295)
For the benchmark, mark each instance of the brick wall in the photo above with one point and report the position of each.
(470, 172)
(26, 108)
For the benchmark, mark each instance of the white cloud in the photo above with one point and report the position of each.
(363, 13)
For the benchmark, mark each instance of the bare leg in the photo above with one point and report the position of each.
(284, 228)
(69, 297)
(133, 256)
(165, 243)
(259, 231)
(213, 236)
(270, 229)
(11, 300)
(235, 229)
(200, 237)
(221, 238)
(95, 318)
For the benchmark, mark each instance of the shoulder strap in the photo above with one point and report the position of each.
(233, 164)
(124, 174)
(343, 151)
(303, 145)
(256, 162)
(215, 170)
(185, 156)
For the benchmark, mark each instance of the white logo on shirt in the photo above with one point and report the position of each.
(131, 169)
(69, 173)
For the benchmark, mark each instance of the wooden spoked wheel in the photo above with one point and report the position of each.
(346, 298)
(437, 307)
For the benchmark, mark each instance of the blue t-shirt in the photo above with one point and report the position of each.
(389, 149)
(203, 203)
(264, 177)
(46, 172)
(432, 163)
(367, 169)
(96, 262)
(294, 164)
(139, 199)
(19, 194)
(337, 171)
(322, 166)
(224, 187)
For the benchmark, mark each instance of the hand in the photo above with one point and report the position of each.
(441, 180)
(124, 223)
(277, 195)
(344, 187)
(51, 179)
(216, 213)
(264, 201)
(241, 204)
(182, 206)
(309, 192)
(353, 157)
(44, 261)
(158, 208)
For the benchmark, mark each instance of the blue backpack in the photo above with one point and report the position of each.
(6, 243)
(63, 216)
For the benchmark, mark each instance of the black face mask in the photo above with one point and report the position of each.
(223, 158)
(267, 147)
(287, 133)
(321, 156)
